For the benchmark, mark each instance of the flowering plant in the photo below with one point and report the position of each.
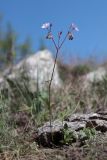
(58, 45)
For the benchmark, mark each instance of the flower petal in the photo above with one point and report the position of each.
(74, 27)
(45, 25)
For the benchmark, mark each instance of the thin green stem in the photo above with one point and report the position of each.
(50, 83)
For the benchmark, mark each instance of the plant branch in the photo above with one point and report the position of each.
(54, 43)
(63, 40)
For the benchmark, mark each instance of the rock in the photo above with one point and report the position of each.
(94, 76)
(34, 72)
(74, 124)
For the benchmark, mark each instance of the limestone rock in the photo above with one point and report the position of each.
(34, 71)
(94, 76)
(75, 124)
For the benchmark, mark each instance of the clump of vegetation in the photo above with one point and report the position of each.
(87, 133)
(18, 126)
(68, 136)
(80, 70)
(10, 50)
(64, 70)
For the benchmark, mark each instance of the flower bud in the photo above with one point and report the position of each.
(59, 33)
(49, 36)
(70, 36)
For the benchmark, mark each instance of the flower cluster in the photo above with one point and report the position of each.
(48, 26)
(49, 35)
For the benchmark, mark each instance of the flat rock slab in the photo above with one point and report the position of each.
(54, 135)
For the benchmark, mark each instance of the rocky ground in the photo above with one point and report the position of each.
(79, 118)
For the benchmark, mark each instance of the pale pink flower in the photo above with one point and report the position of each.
(74, 27)
(49, 36)
(46, 25)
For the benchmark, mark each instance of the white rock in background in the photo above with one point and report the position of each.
(36, 69)
(96, 76)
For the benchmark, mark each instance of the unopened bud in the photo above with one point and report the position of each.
(59, 33)
(70, 36)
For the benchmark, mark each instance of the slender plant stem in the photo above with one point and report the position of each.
(54, 43)
(63, 41)
(58, 40)
(50, 82)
